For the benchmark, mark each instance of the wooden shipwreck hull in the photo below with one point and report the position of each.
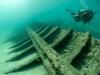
(60, 51)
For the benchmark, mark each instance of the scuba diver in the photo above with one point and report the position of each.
(83, 15)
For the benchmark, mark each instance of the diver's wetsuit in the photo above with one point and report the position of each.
(86, 16)
(83, 15)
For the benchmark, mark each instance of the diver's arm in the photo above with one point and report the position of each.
(74, 15)
(71, 12)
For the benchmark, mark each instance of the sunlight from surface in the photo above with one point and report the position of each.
(13, 3)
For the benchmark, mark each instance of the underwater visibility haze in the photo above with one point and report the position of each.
(15, 15)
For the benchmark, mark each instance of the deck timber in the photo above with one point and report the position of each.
(60, 51)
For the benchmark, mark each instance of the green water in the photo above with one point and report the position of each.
(15, 15)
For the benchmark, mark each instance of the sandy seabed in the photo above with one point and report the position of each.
(4, 66)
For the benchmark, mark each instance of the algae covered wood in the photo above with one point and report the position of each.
(60, 51)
